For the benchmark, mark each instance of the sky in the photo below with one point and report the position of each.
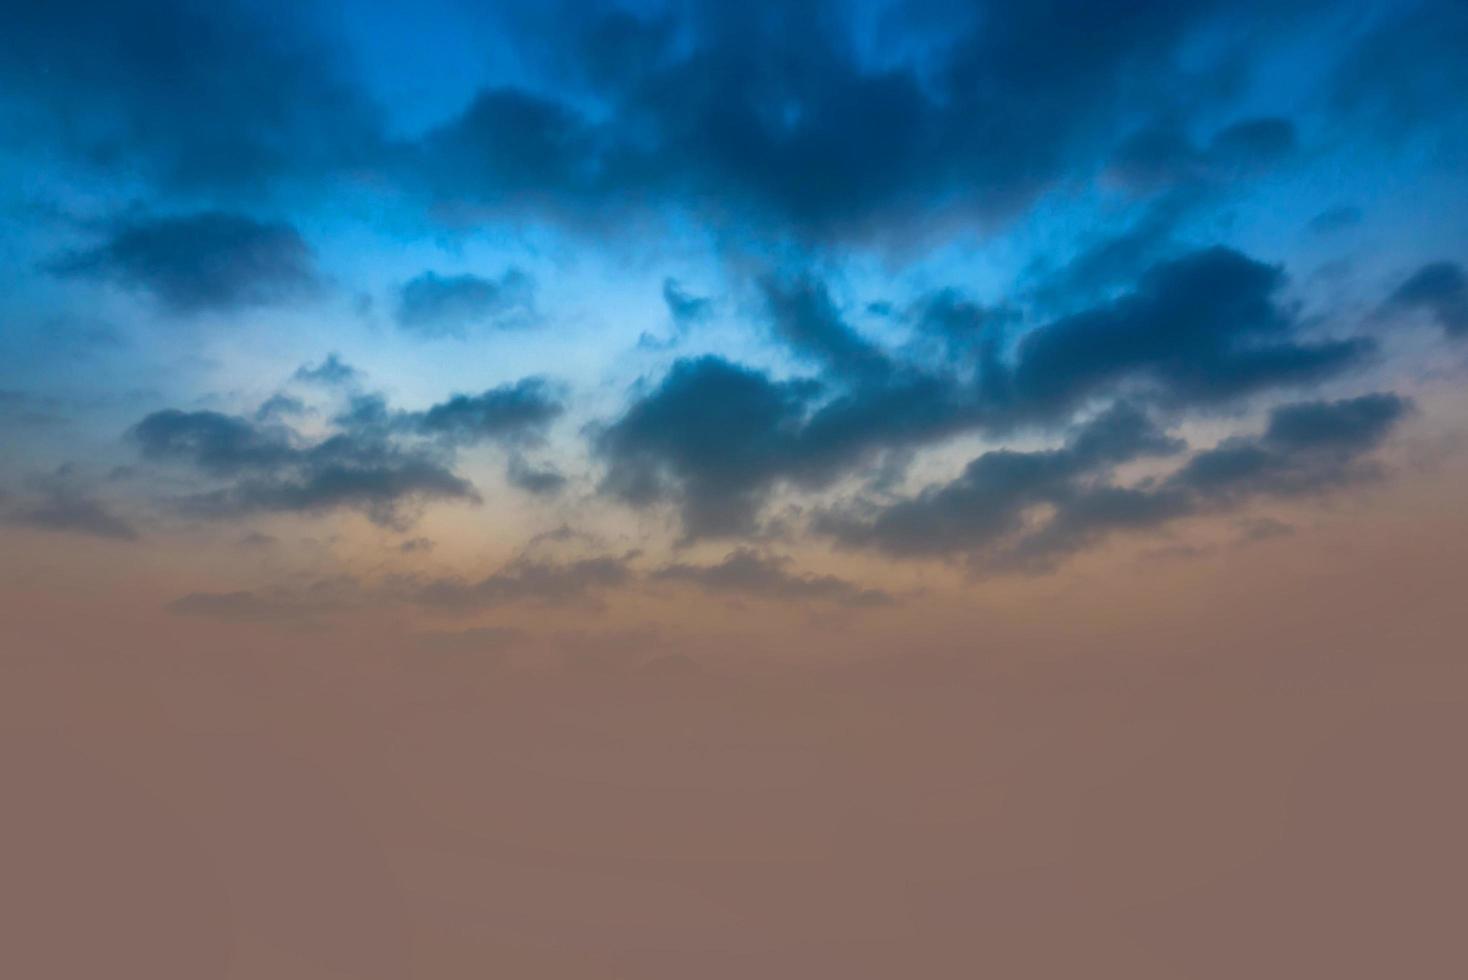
(752, 389)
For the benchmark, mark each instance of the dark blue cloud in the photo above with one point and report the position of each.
(1336, 219)
(1306, 447)
(765, 119)
(215, 97)
(269, 469)
(966, 332)
(715, 439)
(219, 444)
(713, 436)
(769, 119)
(431, 305)
(383, 463)
(996, 490)
(1438, 288)
(331, 372)
(511, 413)
(1203, 328)
(1408, 72)
(1028, 510)
(805, 319)
(210, 261)
(1252, 143)
(1162, 155)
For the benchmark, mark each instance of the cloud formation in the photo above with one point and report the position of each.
(715, 438)
(435, 306)
(1012, 509)
(1200, 329)
(508, 414)
(383, 463)
(212, 261)
(772, 119)
(222, 97)
(1044, 239)
(1438, 288)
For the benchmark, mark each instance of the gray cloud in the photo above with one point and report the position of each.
(331, 372)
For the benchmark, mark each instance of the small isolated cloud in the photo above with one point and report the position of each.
(746, 572)
(280, 406)
(435, 306)
(511, 413)
(332, 372)
(213, 261)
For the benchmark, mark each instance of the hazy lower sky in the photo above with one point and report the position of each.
(1090, 369)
